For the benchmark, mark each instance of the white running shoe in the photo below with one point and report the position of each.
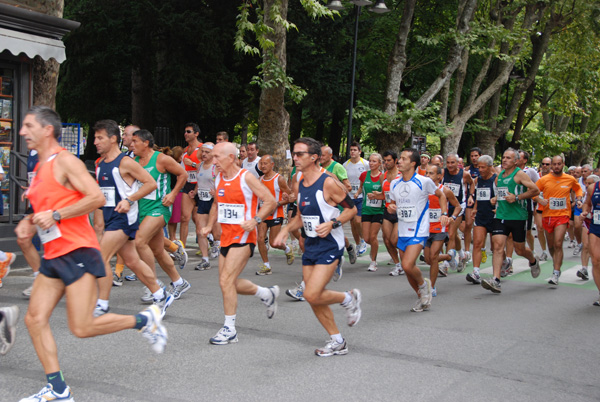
(353, 310)
(372, 266)
(397, 270)
(48, 394)
(224, 336)
(271, 303)
(362, 248)
(8, 328)
(154, 331)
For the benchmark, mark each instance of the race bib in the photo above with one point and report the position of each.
(434, 215)
(454, 187)
(596, 217)
(501, 193)
(310, 224)
(231, 213)
(484, 194)
(204, 194)
(387, 197)
(191, 176)
(354, 188)
(30, 176)
(109, 196)
(373, 203)
(557, 203)
(151, 196)
(407, 213)
(49, 234)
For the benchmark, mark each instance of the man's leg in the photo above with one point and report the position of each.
(541, 233)
(187, 206)
(316, 278)
(390, 245)
(356, 227)
(469, 218)
(260, 240)
(413, 273)
(558, 252)
(434, 255)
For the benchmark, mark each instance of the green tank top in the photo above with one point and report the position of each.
(505, 210)
(163, 182)
(371, 207)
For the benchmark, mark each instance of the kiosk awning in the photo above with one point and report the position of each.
(32, 45)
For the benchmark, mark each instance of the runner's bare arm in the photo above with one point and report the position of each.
(444, 219)
(334, 195)
(453, 201)
(263, 193)
(532, 190)
(212, 219)
(137, 172)
(285, 191)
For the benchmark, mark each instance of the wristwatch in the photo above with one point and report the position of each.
(56, 216)
(129, 201)
(193, 164)
(257, 219)
(336, 223)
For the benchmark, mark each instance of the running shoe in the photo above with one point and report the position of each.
(296, 293)
(131, 277)
(596, 303)
(199, 253)
(48, 394)
(572, 244)
(554, 279)
(117, 279)
(224, 336)
(271, 302)
(475, 279)
(178, 290)
(214, 252)
(203, 266)
(491, 284)
(5, 265)
(433, 292)
(165, 302)
(577, 249)
(264, 270)
(351, 253)
(483, 255)
(296, 246)
(290, 257)
(583, 274)
(535, 268)
(453, 259)
(180, 256)
(468, 257)
(418, 308)
(505, 268)
(353, 311)
(154, 331)
(462, 264)
(147, 296)
(421, 257)
(27, 292)
(443, 268)
(397, 270)
(99, 311)
(544, 256)
(332, 348)
(211, 239)
(372, 266)
(8, 328)
(267, 245)
(337, 274)
(425, 294)
(362, 248)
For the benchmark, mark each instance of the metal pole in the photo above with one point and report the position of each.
(349, 142)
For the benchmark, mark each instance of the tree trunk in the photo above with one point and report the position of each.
(45, 73)
(295, 122)
(273, 118)
(336, 131)
(516, 139)
(444, 95)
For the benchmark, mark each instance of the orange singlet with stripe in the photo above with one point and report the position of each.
(557, 190)
(435, 213)
(46, 194)
(385, 187)
(190, 170)
(273, 185)
(235, 203)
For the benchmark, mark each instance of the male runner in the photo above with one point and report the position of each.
(318, 198)
(513, 188)
(190, 162)
(544, 170)
(409, 198)
(62, 195)
(119, 178)
(467, 225)
(235, 208)
(155, 210)
(557, 187)
(355, 166)
(251, 162)
(277, 186)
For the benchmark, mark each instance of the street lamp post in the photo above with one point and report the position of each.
(378, 8)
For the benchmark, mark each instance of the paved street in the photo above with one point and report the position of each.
(533, 342)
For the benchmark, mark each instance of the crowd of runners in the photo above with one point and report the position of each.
(432, 208)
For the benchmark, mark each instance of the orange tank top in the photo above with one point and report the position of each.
(273, 185)
(46, 194)
(435, 213)
(386, 188)
(190, 170)
(236, 203)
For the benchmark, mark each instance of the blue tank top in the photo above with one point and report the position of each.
(483, 194)
(595, 221)
(315, 210)
(116, 189)
(455, 183)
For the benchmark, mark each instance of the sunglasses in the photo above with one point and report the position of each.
(299, 153)
(545, 164)
(189, 131)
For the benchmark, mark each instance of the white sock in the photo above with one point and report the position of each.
(263, 293)
(476, 270)
(287, 249)
(102, 303)
(159, 294)
(35, 274)
(303, 284)
(178, 282)
(423, 286)
(268, 265)
(3, 256)
(399, 265)
(217, 243)
(204, 258)
(210, 236)
(347, 299)
(230, 322)
(337, 338)
(461, 254)
(584, 268)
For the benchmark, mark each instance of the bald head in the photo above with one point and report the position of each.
(128, 133)
(266, 164)
(326, 153)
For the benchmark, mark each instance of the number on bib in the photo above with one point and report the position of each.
(204, 194)
(49, 234)
(454, 187)
(109, 196)
(407, 213)
(373, 203)
(191, 176)
(231, 213)
(557, 203)
(310, 224)
(484, 194)
(387, 197)
(501, 193)
(434, 215)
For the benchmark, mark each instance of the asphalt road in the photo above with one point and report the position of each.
(533, 342)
